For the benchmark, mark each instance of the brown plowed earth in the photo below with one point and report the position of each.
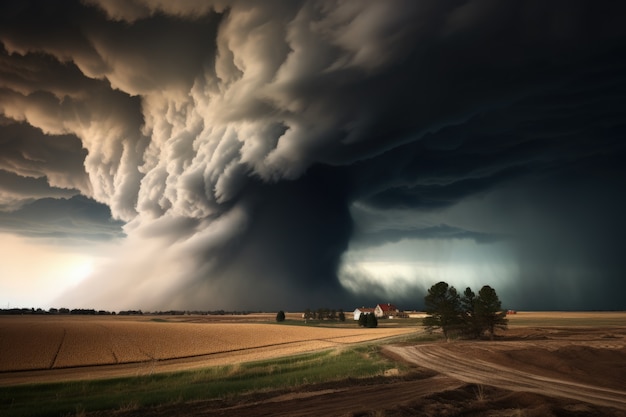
(587, 365)
(459, 365)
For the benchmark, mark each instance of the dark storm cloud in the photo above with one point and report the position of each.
(73, 219)
(441, 231)
(234, 137)
(27, 152)
(568, 233)
(17, 190)
(292, 249)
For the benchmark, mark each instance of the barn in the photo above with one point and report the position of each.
(364, 310)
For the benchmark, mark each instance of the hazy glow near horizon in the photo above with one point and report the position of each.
(33, 273)
(415, 264)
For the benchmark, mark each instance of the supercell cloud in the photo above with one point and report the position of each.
(267, 155)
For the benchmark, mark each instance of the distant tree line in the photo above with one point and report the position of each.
(325, 314)
(93, 312)
(55, 311)
(469, 315)
(202, 312)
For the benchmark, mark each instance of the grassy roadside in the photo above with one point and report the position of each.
(75, 398)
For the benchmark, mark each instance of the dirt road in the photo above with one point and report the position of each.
(470, 363)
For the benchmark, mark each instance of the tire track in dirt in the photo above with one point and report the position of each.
(471, 370)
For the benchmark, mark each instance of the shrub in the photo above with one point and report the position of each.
(280, 316)
(372, 321)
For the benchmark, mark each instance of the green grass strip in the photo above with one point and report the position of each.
(73, 398)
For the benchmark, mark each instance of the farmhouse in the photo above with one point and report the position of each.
(384, 310)
(387, 311)
(364, 310)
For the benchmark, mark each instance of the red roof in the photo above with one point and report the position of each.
(388, 307)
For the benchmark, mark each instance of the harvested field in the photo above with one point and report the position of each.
(545, 364)
(52, 348)
(550, 363)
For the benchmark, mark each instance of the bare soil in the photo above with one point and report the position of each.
(586, 365)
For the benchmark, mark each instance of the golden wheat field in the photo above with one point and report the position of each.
(30, 343)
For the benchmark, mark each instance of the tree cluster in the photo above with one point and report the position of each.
(324, 314)
(91, 312)
(368, 320)
(469, 314)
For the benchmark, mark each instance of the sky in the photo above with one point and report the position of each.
(242, 155)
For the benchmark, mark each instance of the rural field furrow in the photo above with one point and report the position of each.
(111, 342)
(67, 342)
(56, 354)
(126, 342)
(84, 343)
(127, 352)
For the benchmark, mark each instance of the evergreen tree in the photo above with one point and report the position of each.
(443, 308)
(471, 326)
(472, 314)
(489, 313)
(372, 321)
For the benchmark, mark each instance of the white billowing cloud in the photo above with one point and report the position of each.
(159, 263)
(177, 119)
(212, 114)
(105, 123)
(245, 116)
